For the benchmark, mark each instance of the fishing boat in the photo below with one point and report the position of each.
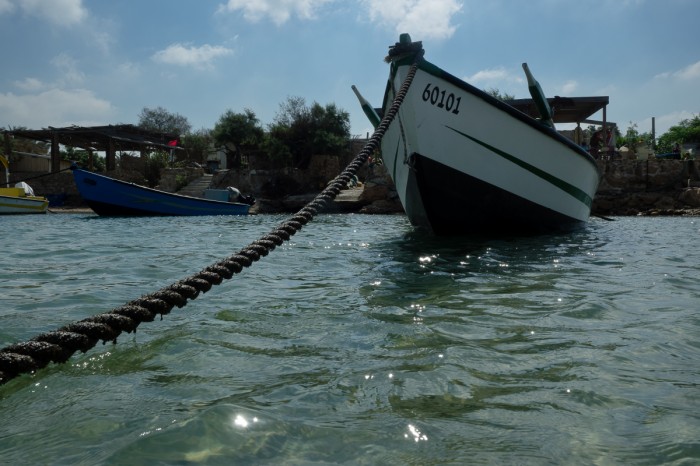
(19, 199)
(465, 162)
(110, 197)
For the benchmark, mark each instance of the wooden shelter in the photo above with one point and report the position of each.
(108, 139)
(569, 110)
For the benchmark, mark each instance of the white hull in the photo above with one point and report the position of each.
(461, 162)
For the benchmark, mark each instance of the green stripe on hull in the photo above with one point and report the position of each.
(559, 183)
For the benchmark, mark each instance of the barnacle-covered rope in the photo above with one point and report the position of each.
(59, 345)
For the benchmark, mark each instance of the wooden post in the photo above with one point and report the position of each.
(8, 146)
(55, 153)
(111, 156)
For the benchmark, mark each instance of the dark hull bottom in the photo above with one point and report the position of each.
(111, 210)
(457, 203)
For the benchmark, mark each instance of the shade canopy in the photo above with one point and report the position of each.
(566, 109)
(99, 138)
(108, 139)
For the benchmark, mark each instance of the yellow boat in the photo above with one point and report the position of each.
(19, 199)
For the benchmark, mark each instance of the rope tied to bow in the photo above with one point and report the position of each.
(59, 345)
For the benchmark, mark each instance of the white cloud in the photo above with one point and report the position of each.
(688, 73)
(497, 74)
(423, 19)
(68, 70)
(569, 87)
(30, 84)
(54, 107)
(494, 78)
(128, 69)
(183, 55)
(59, 12)
(279, 11)
(664, 122)
(6, 6)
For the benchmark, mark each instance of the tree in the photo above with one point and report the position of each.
(238, 133)
(82, 158)
(197, 145)
(499, 95)
(633, 138)
(299, 131)
(160, 120)
(687, 130)
(155, 163)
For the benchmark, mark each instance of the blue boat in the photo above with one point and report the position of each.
(109, 197)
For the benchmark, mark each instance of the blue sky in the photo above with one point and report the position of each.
(90, 62)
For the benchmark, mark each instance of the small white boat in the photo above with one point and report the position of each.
(464, 162)
(19, 199)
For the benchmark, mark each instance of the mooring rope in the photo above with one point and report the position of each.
(42, 175)
(59, 345)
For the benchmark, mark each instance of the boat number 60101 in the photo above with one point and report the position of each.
(441, 99)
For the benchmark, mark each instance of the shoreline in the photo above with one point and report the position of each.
(63, 210)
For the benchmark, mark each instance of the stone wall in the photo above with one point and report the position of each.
(59, 188)
(627, 187)
(653, 186)
(285, 181)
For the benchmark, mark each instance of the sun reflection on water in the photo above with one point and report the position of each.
(415, 434)
(241, 421)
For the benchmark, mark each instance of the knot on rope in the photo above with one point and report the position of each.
(58, 346)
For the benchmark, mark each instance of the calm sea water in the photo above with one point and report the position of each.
(359, 342)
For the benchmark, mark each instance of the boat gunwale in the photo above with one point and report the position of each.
(439, 73)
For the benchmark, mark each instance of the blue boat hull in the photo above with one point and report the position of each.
(109, 197)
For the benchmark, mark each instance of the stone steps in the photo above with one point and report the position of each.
(196, 188)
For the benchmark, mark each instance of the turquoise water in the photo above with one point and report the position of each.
(359, 342)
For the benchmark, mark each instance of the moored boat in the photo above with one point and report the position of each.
(464, 162)
(19, 199)
(110, 197)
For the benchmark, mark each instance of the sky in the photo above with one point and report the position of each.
(96, 62)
